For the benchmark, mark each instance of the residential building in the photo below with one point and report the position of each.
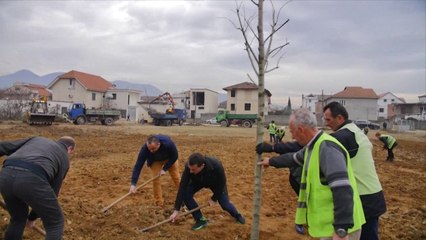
(422, 98)
(28, 91)
(202, 101)
(361, 103)
(242, 98)
(384, 104)
(314, 102)
(124, 99)
(80, 87)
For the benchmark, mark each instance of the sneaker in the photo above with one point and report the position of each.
(199, 224)
(300, 229)
(240, 219)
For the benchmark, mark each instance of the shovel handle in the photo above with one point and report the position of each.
(36, 228)
(105, 209)
(169, 219)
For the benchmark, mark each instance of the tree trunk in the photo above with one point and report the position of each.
(260, 119)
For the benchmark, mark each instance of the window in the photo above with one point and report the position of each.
(232, 106)
(114, 96)
(198, 98)
(309, 100)
(385, 100)
(232, 93)
(342, 102)
(72, 82)
(381, 110)
(128, 99)
(247, 106)
(393, 100)
(93, 96)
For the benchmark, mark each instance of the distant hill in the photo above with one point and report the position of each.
(27, 76)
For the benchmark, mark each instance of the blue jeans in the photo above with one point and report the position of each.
(223, 200)
(370, 230)
(20, 189)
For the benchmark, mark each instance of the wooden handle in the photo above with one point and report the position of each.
(169, 219)
(39, 230)
(105, 209)
(36, 228)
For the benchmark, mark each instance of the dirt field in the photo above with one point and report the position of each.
(102, 164)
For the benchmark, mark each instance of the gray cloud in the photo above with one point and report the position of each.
(176, 45)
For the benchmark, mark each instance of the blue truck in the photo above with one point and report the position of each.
(174, 116)
(79, 114)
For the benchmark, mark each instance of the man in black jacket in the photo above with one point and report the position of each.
(32, 176)
(203, 172)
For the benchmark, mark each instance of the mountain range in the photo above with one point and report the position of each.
(26, 76)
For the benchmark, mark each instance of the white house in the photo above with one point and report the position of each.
(361, 103)
(80, 87)
(124, 99)
(384, 103)
(242, 98)
(202, 100)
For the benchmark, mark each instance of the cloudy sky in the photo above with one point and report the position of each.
(177, 45)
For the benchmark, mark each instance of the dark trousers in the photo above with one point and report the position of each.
(21, 189)
(272, 138)
(224, 202)
(370, 230)
(390, 152)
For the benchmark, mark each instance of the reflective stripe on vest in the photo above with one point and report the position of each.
(315, 203)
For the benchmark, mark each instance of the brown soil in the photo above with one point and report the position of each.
(102, 164)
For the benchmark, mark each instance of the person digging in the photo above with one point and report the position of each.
(203, 172)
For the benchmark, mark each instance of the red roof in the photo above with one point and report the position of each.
(356, 92)
(40, 89)
(243, 85)
(246, 86)
(89, 81)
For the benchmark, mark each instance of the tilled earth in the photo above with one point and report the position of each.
(102, 164)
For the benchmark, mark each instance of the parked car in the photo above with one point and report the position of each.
(211, 121)
(365, 123)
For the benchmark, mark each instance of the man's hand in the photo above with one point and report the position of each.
(30, 224)
(335, 237)
(162, 172)
(264, 163)
(174, 215)
(212, 202)
(132, 189)
(264, 147)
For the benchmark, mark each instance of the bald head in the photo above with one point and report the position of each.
(69, 142)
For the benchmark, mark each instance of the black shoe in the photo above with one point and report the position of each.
(240, 219)
(199, 224)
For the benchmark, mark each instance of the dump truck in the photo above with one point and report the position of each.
(79, 114)
(171, 116)
(175, 116)
(38, 113)
(226, 119)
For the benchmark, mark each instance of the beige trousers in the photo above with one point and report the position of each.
(156, 167)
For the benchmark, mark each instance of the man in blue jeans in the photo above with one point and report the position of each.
(203, 172)
(32, 176)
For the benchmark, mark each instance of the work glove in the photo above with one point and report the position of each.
(264, 147)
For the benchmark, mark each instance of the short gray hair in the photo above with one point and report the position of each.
(305, 118)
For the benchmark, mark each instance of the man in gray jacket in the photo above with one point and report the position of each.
(32, 176)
